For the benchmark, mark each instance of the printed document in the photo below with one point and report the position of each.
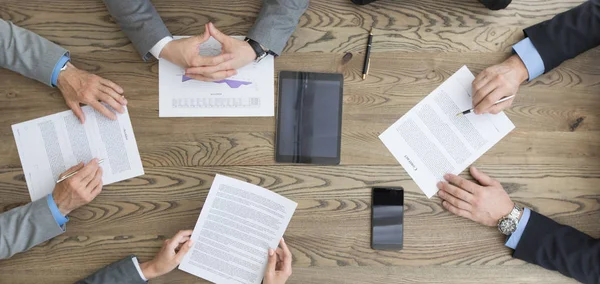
(251, 92)
(50, 145)
(430, 140)
(238, 224)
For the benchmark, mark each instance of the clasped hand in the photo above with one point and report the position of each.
(184, 52)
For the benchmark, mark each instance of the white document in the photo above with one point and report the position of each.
(430, 140)
(238, 224)
(249, 93)
(50, 145)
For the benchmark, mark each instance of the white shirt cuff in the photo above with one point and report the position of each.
(137, 266)
(158, 47)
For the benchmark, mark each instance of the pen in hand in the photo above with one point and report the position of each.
(74, 173)
(499, 101)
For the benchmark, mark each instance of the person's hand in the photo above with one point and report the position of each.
(80, 87)
(279, 267)
(242, 52)
(169, 256)
(79, 189)
(497, 82)
(485, 204)
(185, 52)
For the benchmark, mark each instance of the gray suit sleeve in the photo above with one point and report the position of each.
(25, 227)
(120, 272)
(276, 23)
(140, 22)
(27, 53)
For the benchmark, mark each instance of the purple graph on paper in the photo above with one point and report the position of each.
(234, 84)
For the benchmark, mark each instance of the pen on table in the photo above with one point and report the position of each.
(368, 55)
(74, 173)
(499, 101)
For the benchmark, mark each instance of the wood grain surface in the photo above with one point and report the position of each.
(550, 162)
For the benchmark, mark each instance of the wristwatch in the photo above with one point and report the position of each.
(508, 224)
(64, 67)
(261, 52)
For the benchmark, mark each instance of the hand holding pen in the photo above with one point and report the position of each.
(498, 82)
(81, 187)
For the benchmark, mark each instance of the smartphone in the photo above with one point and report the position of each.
(387, 218)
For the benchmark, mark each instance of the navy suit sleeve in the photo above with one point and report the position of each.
(561, 248)
(568, 34)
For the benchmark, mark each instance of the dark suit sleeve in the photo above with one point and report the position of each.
(120, 272)
(567, 34)
(558, 247)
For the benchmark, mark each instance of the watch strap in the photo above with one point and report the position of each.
(260, 51)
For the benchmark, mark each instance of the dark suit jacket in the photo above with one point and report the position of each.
(562, 248)
(567, 34)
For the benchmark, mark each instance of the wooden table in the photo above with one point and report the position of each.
(547, 163)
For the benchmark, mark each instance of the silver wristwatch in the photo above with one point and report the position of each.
(508, 224)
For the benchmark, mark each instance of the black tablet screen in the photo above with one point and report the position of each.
(309, 117)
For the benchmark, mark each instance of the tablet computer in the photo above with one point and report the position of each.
(309, 118)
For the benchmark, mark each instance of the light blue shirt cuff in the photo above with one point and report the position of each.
(530, 57)
(514, 239)
(60, 219)
(63, 60)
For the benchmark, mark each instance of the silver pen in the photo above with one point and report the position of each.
(74, 173)
(499, 101)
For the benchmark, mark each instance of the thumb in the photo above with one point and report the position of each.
(218, 35)
(76, 108)
(183, 251)
(482, 178)
(272, 262)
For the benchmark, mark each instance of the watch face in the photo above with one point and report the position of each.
(507, 226)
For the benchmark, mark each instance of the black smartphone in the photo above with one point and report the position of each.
(387, 218)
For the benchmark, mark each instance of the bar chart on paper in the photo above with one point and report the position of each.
(248, 93)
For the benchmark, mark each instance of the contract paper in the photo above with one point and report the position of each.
(238, 224)
(249, 93)
(430, 140)
(50, 145)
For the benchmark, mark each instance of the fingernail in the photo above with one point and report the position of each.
(190, 243)
(440, 185)
(271, 252)
(446, 176)
(475, 169)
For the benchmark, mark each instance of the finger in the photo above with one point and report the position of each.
(212, 60)
(94, 182)
(77, 111)
(456, 192)
(103, 110)
(206, 70)
(271, 263)
(456, 211)
(454, 200)
(177, 239)
(217, 34)
(113, 94)
(87, 170)
(85, 180)
(112, 85)
(497, 108)
(490, 100)
(206, 34)
(480, 81)
(481, 93)
(461, 182)
(184, 249)
(96, 191)
(108, 99)
(72, 169)
(287, 257)
(482, 178)
(220, 75)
